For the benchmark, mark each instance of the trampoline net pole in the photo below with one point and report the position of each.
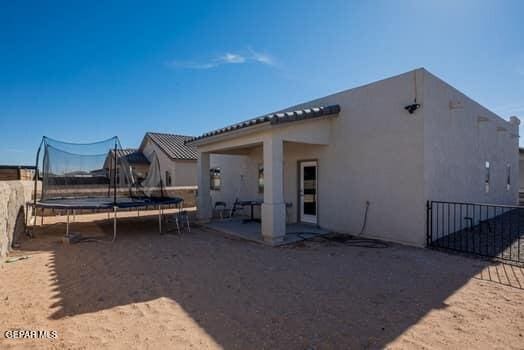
(114, 176)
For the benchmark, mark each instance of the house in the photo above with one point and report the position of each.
(365, 159)
(177, 160)
(138, 163)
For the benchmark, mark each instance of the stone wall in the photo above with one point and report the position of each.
(13, 197)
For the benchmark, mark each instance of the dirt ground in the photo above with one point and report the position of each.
(205, 290)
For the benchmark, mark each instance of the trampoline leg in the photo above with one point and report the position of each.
(160, 219)
(26, 216)
(42, 218)
(34, 221)
(67, 224)
(114, 223)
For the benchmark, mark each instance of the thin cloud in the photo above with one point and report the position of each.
(227, 58)
(231, 58)
(261, 57)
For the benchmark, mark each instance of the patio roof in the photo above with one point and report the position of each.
(275, 118)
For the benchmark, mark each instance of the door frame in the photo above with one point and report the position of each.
(299, 180)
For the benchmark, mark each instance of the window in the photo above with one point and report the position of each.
(508, 177)
(168, 178)
(486, 176)
(260, 178)
(215, 179)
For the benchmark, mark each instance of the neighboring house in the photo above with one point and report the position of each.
(177, 160)
(17, 172)
(138, 163)
(394, 144)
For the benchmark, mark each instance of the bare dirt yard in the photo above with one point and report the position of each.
(205, 290)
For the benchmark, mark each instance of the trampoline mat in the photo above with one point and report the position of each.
(104, 202)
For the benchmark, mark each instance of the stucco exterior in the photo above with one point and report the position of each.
(374, 151)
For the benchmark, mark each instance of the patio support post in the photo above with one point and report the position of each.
(274, 207)
(204, 211)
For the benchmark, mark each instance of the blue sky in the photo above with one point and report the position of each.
(83, 71)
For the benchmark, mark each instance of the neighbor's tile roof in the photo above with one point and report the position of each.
(276, 118)
(174, 145)
(132, 155)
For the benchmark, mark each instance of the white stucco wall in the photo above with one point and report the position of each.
(521, 171)
(375, 155)
(236, 178)
(376, 151)
(183, 172)
(458, 142)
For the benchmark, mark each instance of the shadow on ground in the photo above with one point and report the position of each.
(244, 294)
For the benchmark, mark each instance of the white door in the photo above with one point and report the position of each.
(308, 192)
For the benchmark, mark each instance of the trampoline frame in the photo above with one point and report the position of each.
(137, 203)
(70, 210)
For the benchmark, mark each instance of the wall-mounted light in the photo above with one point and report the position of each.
(412, 108)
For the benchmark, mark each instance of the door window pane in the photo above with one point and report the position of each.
(310, 190)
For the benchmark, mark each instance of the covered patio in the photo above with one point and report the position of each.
(280, 140)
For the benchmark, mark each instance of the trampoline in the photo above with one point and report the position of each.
(95, 176)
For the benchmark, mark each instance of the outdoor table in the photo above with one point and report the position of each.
(252, 204)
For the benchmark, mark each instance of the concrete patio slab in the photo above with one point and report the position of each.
(251, 231)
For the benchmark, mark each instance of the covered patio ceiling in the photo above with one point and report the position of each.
(309, 126)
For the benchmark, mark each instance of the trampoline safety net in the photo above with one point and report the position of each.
(94, 170)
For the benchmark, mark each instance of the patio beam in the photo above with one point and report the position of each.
(274, 207)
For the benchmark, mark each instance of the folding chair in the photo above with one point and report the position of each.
(221, 209)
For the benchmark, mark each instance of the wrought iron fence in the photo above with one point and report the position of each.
(487, 230)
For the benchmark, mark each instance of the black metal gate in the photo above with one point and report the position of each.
(487, 230)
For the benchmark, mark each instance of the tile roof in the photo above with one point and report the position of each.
(174, 145)
(275, 118)
(132, 155)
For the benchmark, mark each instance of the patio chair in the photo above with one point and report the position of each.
(180, 218)
(221, 209)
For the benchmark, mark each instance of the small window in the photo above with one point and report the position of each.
(215, 179)
(487, 176)
(260, 178)
(168, 178)
(508, 177)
